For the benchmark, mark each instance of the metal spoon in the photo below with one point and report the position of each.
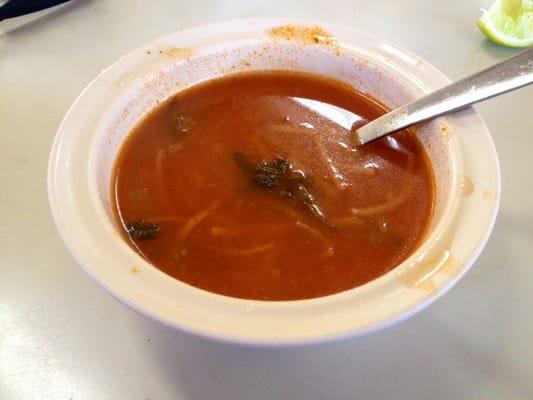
(500, 78)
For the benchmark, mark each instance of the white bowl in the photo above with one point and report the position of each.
(460, 148)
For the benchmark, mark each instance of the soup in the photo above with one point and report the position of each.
(248, 186)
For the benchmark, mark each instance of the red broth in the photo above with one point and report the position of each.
(239, 187)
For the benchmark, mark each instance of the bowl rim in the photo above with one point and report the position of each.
(56, 164)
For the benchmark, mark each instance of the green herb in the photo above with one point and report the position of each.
(268, 175)
(302, 195)
(397, 240)
(279, 175)
(378, 232)
(243, 163)
(142, 229)
(183, 124)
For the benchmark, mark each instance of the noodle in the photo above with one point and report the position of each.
(386, 206)
(243, 252)
(363, 170)
(329, 249)
(287, 211)
(286, 128)
(394, 202)
(161, 153)
(174, 148)
(186, 229)
(350, 221)
(335, 176)
(236, 230)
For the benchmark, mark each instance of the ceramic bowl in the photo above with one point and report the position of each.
(459, 146)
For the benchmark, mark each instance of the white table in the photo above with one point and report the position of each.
(62, 337)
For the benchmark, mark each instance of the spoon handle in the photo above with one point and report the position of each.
(16, 8)
(500, 78)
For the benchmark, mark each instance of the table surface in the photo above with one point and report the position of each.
(62, 337)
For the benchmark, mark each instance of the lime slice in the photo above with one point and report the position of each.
(509, 22)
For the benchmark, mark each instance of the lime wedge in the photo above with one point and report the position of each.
(509, 22)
